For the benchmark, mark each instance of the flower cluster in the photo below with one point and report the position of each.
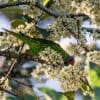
(31, 10)
(63, 26)
(4, 85)
(94, 57)
(88, 7)
(28, 29)
(51, 57)
(9, 41)
(3, 42)
(70, 77)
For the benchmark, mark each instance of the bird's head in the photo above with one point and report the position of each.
(69, 60)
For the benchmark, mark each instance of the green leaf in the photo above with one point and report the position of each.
(95, 80)
(53, 94)
(27, 97)
(10, 0)
(97, 93)
(12, 10)
(94, 74)
(11, 98)
(69, 95)
(12, 13)
(16, 22)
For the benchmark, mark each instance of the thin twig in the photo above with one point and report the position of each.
(22, 83)
(14, 61)
(8, 54)
(12, 65)
(16, 3)
(7, 91)
(45, 9)
(78, 28)
(57, 14)
(10, 69)
(91, 29)
(87, 83)
(22, 57)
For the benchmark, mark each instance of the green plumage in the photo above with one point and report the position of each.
(37, 45)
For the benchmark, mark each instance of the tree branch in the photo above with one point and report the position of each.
(22, 57)
(16, 3)
(57, 14)
(91, 29)
(45, 9)
(22, 83)
(14, 62)
(7, 91)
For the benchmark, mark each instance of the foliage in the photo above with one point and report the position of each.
(53, 94)
(40, 24)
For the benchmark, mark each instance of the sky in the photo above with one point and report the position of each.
(4, 22)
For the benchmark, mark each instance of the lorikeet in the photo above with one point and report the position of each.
(38, 44)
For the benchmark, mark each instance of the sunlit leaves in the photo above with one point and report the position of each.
(97, 93)
(11, 98)
(12, 13)
(10, 0)
(11, 10)
(53, 94)
(23, 97)
(16, 22)
(94, 74)
(70, 95)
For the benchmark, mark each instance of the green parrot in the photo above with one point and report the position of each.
(38, 44)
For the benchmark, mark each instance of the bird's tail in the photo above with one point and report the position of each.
(20, 36)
